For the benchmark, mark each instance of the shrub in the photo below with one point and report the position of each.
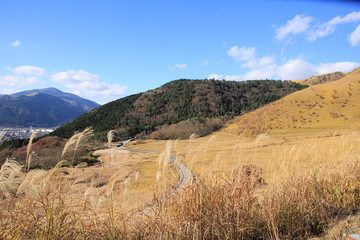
(185, 129)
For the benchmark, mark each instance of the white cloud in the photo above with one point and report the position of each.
(261, 67)
(74, 78)
(247, 55)
(7, 91)
(241, 54)
(291, 70)
(303, 24)
(266, 67)
(234, 77)
(354, 37)
(320, 31)
(28, 70)
(351, 17)
(16, 43)
(87, 84)
(329, 27)
(18, 81)
(300, 69)
(266, 72)
(22, 76)
(296, 69)
(298, 24)
(345, 67)
(177, 66)
(216, 76)
(227, 77)
(259, 62)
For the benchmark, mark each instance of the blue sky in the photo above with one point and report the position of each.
(105, 50)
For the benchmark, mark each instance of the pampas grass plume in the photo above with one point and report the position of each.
(29, 154)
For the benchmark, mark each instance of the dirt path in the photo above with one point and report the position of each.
(186, 177)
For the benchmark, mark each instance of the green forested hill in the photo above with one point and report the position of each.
(177, 101)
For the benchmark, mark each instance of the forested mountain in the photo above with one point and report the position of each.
(41, 108)
(177, 101)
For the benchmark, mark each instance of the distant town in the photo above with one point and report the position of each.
(8, 133)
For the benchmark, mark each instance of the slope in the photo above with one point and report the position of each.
(330, 105)
(177, 101)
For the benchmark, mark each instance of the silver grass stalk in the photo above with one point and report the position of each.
(76, 139)
(28, 152)
(2, 134)
(110, 136)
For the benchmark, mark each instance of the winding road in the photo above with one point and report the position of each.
(186, 175)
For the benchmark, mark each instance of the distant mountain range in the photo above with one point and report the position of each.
(47, 107)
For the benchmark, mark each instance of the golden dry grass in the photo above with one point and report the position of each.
(9, 179)
(64, 197)
(125, 181)
(2, 134)
(279, 154)
(329, 105)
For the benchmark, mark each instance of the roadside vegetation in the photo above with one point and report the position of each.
(193, 128)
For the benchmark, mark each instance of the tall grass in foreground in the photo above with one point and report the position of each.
(2, 134)
(10, 173)
(29, 153)
(240, 206)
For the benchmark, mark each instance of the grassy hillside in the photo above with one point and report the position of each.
(335, 104)
(179, 100)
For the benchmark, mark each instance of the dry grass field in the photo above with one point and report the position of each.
(50, 202)
(279, 154)
(289, 170)
(303, 170)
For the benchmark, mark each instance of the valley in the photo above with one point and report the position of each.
(8, 133)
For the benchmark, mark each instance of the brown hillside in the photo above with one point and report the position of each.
(323, 78)
(333, 104)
